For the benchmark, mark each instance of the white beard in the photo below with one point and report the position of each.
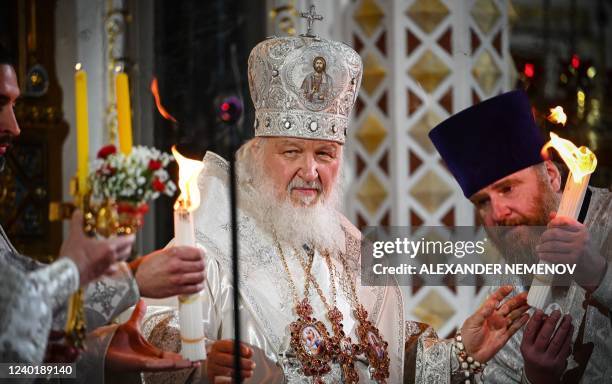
(317, 225)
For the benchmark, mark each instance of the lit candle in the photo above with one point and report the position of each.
(190, 306)
(581, 163)
(124, 112)
(82, 125)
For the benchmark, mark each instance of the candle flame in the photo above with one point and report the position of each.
(160, 107)
(189, 170)
(78, 66)
(557, 115)
(581, 161)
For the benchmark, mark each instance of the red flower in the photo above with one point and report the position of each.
(158, 185)
(154, 165)
(143, 208)
(108, 170)
(132, 209)
(106, 151)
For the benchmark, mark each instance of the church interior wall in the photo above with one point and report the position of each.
(423, 61)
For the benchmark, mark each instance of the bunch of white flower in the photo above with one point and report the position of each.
(136, 178)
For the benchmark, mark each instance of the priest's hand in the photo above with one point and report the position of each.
(129, 351)
(545, 351)
(567, 241)
(170, 272)
(220, 361)
(93, 257)
(491, 326)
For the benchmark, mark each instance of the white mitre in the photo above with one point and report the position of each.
(287, 103)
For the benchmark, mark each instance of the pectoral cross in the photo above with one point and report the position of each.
(310, 17)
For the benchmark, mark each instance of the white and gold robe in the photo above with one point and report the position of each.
(267, 304)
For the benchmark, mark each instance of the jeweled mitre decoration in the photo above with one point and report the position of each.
(303, 87)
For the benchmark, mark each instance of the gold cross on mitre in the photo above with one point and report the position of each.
(310, 17)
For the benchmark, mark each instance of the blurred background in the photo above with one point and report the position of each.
(423, 61)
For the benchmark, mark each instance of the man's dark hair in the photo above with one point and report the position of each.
(5, 55)
(5, 58)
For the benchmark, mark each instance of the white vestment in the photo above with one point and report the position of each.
(266, 300)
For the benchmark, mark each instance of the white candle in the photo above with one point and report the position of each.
(190, 306)
(581, 162)
(571, 201)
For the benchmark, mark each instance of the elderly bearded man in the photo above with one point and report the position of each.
(493, 150)
(305, 315)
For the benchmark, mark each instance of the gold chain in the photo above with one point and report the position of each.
(294, 290)
(352, 294)
(308, 278)
(310, 261)
(311, 278)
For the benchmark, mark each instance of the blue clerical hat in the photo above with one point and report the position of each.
(489, 141)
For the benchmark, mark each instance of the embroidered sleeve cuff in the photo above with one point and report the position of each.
(58, 280)
(603, 293)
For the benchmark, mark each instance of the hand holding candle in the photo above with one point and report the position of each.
(581, 163)
(190, 306)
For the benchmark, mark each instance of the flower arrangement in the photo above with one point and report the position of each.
(135, 179)
(122, 185)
